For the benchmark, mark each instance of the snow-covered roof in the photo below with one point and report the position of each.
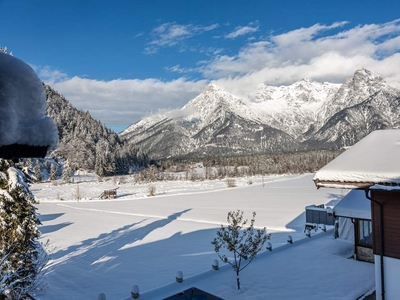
(23, 106)
(354, 205)
(373, 160)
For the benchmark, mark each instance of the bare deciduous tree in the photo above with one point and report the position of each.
(241, 239)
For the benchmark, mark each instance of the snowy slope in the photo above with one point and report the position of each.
(109, 245)
(295, 107)
(345, 128)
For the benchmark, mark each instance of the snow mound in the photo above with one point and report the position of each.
(23, 106)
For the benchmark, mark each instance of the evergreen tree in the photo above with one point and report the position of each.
(19, 248)
(66, 174)
(38, 172)
(29, 163)
(53, 172)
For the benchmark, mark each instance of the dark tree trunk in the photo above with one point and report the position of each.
(237, 280)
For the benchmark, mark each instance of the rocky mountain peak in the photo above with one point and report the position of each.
(364, 78)
(353, 91)
(211, 88)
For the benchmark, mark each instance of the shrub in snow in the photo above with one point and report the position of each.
(230, 182)
(22, 257)
(78, 193)
(23, 106)
(151, 190)
(241, 239)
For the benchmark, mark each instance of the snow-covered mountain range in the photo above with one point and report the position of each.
(306, 114)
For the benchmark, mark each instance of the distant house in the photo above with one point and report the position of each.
(373, 165)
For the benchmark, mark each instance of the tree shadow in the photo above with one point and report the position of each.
(51, 228)
(132, 233)
(49, 217)
(119, 254)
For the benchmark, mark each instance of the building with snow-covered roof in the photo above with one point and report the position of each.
(351, 217)
(373, 165)
(354, 215)
(25, 130)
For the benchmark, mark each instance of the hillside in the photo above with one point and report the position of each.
(86, 143)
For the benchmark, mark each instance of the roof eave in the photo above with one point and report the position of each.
(342, 184)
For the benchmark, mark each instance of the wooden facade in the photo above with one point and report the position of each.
(390, 201)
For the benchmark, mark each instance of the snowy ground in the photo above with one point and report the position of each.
(109, 245)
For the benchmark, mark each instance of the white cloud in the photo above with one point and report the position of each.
(171, 34)
(242, 30)
(303, 34)
(126, 101)
(50, 75)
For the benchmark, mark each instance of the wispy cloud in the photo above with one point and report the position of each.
(50, 75)
(178, 69)
(171, 34)
(243, 30)
(139, 34)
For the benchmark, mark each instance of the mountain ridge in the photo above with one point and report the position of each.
(272, 119)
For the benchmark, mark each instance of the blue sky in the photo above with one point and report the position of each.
(123, 60)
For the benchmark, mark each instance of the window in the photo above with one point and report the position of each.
(364, 236)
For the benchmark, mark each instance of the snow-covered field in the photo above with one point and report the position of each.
(109, 245)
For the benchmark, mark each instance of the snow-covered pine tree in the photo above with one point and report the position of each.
(53, 172)
(38, 172)
(20, 250)
(66, 174)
